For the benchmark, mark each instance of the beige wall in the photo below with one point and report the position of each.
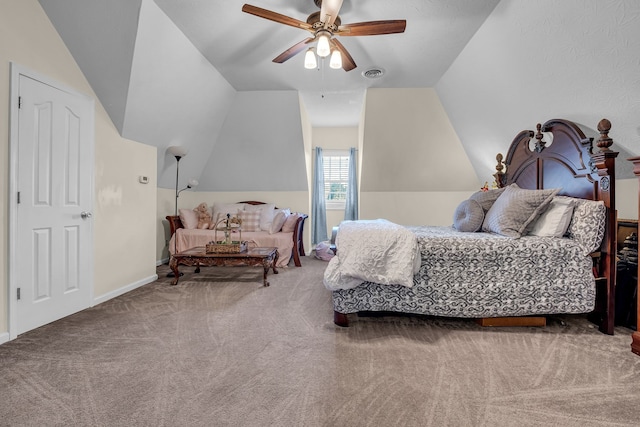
(124, 209)
(412, 208)
(409, 145)
(414, 169)
(627, 197)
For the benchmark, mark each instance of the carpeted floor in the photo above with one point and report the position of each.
(219, 349)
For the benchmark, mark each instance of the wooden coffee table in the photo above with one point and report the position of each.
(256, 257)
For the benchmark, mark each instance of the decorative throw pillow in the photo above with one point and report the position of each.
(515, 209)
(220, 210)
(267, 212)
(487, 198)
(468, 216)
(290, 223)
(250, 220)
(555, 220)
(278, 220)
(588, 224)
(189, 218)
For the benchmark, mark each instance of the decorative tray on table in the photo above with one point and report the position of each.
(227, 246)
(221, 247)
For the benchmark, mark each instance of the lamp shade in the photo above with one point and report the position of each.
(310, 59)
(323, 48)
(336, 59)
(177, 151)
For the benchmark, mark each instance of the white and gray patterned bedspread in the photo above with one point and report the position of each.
(484, 275)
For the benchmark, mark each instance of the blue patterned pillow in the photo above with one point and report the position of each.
(468, 216)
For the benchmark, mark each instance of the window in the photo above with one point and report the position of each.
(336, 177)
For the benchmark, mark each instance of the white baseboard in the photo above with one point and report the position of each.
(4, 337)
(162, 261)
(124, 289)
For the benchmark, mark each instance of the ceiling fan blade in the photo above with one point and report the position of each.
(372, 28)
(329, 10)
(276, 17)
(293, 50)
(348, 63)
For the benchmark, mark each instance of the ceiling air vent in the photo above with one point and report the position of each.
(373, 73)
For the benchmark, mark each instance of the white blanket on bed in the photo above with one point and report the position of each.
(373, 251)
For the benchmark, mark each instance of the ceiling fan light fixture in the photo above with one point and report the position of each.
(336, 60)
(323, 48)
(310, 59)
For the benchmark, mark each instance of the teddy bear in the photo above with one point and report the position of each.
(204, 216)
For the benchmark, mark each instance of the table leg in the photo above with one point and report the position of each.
(173, 265)
(275, 261)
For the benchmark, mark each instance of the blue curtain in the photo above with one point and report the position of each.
(318, 208)
(351, 204)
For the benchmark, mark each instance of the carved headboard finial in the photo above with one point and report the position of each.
(540, 143)
(499, 175)
(604, 142)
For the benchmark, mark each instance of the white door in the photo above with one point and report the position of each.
(53, 274)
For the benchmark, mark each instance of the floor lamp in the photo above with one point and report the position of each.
(178, 152)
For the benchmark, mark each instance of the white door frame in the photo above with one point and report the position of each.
(16, 72)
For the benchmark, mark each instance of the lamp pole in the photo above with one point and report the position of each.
(177, 177)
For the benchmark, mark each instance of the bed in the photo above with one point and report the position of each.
(503, 272)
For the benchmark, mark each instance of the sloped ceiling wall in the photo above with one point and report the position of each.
(535, 61)
(257, 148)
(161, 91)
(101, 37)
(176, 97)
(529, 62)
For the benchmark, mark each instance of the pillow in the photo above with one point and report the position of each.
(588, 224)
(468, 216)
(555, 220)
(278, 220)
(515, 209)
(189, 218)
(250, 220)
(220, 210)
(267, 212)
(487, 198)
(290, 223)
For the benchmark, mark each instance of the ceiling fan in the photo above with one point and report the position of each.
(324, 25)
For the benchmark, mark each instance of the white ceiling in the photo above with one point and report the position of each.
(169, 71)
(241, 47)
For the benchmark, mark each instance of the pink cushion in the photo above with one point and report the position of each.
(189, 218)
(250, 220)
(290, 223)
(279, 220)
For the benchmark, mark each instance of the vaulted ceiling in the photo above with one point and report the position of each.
(169, 71)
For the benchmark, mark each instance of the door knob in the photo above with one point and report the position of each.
(85, 215)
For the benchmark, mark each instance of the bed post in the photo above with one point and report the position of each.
(500, 175)
(604, 163)
(635, 343)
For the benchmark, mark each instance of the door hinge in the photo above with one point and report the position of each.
(19, 102)
(18, 293)
(18, 197)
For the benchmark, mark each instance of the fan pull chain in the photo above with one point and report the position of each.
(321, 64)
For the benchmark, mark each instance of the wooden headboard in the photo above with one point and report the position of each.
(570, 161)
